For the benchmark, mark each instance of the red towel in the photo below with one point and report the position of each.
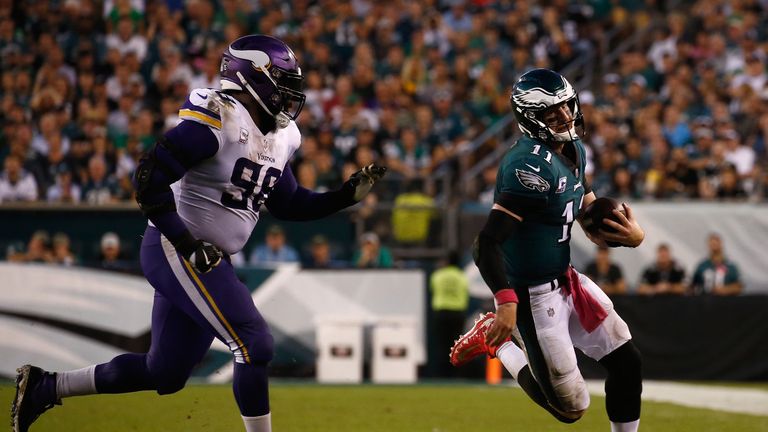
(588, 309)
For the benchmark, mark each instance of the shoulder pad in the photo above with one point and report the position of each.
(202, 106)
(530, 171)
(290, 136)
(533, 163)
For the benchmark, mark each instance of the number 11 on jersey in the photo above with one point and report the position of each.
(569, 217)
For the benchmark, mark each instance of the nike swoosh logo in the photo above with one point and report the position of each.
(201, 96)
(537, 169)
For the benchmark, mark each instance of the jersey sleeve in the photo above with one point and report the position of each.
(202, 107)
(524, 185)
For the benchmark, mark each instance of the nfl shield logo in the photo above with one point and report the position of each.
(243, 136)
(551, 312)
(561, 185)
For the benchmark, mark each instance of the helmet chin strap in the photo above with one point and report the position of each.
(281, 119)
(569, 135)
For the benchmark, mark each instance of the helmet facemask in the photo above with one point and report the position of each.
(564, 122)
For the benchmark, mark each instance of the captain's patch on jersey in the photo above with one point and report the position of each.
(561, 184)
(531, 180)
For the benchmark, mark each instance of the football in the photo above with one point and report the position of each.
(592, 216)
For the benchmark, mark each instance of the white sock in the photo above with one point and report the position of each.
(76, 383)
(258, 424)
(625, 427)
(512, 357)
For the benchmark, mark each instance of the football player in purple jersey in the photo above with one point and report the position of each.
(201, 187)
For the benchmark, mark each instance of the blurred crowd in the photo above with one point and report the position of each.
(42, 248)
(686, 116)
(714, 274)
(112, 253)
(88, 85)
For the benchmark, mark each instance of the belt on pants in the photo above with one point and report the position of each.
(552, 285)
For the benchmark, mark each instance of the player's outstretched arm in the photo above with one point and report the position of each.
(289, 201)
(178, 150)
(501, 224)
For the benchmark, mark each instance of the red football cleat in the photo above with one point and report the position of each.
(472, 343)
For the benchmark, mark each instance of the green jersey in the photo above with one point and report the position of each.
(708, 275)
(546, 189)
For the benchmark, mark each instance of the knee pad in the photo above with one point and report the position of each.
(624, 366)
(572, 396)
(167, 377)
(169, 381)
(260, 348)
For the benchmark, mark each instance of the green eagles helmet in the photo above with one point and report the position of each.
(533, 93)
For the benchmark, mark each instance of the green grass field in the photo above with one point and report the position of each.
(316, 408)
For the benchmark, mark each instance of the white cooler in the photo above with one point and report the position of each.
(394, 349)
(339, 350)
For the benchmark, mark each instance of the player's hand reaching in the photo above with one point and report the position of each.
(628, 231)
(363, 180)
(505, 322)
(202, 256)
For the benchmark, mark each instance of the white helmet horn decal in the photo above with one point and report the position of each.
(259, 58)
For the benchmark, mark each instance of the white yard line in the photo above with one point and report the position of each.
(730, 399)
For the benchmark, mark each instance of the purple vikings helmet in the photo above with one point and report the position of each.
(266, 68)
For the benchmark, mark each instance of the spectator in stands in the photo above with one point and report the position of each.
(407, 156)
(730, 187)
(741, 156)
(46, 166)
(112, 258)
(716, 275)
(449, 287)
(605, 273)
(125, 40)
(488, 185)
(62, 254)
(682, 179)
(306, 175)
(64, 190)
(274, 251)
(665, 276)
(101, 186)
(320, 255)
(38, 249)
(16, 184)
(371, 253)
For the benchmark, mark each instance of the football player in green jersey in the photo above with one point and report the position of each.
(545, 308)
